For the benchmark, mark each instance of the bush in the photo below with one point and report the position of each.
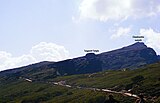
(96, 99)
(137, 79)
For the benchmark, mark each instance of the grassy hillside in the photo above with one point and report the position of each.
(140, 81)
(144, 80)
(25, 92)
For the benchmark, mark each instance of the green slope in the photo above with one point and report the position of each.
(25, 92)
(144, 80)
(141, 81)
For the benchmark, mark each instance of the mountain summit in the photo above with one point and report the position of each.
(132, 56)
(135, 46)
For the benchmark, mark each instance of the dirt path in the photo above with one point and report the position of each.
(62, 83)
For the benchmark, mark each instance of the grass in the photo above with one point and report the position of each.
(25, 92)
(20, 91)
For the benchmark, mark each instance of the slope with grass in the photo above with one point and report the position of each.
(144, 80)
(26, 92)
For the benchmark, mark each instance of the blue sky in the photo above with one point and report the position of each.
(53, 30)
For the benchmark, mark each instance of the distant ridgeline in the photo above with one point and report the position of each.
(129, 57)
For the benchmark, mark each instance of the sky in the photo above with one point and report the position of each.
(52, 30)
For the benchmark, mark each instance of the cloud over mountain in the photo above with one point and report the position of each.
(49, 51)
(40, 52)
(121, 31)
(152, 38)
(104, 10)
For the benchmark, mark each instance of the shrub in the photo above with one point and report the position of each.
(137, 79)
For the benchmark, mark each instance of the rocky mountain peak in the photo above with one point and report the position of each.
(135, 46)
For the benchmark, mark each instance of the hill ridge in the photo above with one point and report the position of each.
(132, 56)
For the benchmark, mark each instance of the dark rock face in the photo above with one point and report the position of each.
(87, 64)
(159, 57)
(135, 46)
(131, 57)
(90, 56)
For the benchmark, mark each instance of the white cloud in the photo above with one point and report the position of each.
(152, 38)
(120, 32)
(7, 61)
(158, 8)
(49, 51)
(104, 10)
(40, 52)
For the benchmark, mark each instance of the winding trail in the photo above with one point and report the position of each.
(63, 83)
(97, 89)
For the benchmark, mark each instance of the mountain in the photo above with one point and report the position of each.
(36, 71)
(133, 56)
(86, 64)
(115, 70)
(159, 57)
(129, 57)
